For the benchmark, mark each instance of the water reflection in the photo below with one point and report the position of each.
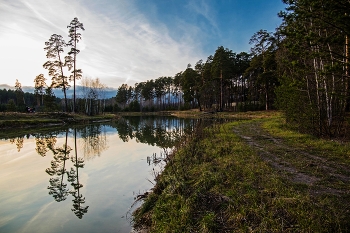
(58, 189)
(94, 141)
(58, 172)
(73, 177)
(61, 171)
(163, 132)
(44, 143)
(18, 141)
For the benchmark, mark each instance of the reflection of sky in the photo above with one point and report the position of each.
(109, 183)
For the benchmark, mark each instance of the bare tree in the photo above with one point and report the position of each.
(93, 94)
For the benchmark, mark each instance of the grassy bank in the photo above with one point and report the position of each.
(252, 175)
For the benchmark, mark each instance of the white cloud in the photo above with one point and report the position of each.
(119, 44)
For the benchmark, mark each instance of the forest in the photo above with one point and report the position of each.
(302, 69)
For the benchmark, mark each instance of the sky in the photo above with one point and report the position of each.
(128, 41)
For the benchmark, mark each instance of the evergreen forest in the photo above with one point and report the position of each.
(302, 68)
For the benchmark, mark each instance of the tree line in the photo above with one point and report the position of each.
(301, 68)
(91, 101)
(313, 59)
(19, 101)
(225, 81)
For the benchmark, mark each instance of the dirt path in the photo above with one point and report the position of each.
(321, 175)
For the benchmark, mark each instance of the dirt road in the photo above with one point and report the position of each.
(308, 167)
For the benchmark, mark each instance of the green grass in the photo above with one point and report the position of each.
(331, 149)
(216, 182)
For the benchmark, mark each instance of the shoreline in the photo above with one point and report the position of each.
(251, 174)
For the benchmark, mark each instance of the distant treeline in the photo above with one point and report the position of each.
(226, 81)
(13, 100)
(19, 101)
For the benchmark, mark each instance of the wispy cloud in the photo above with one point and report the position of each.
(203, 8)
(119, 44)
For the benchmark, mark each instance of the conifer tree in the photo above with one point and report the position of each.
(222, 70)
(75, 37)
(263, 64)
(39, 85)
(54, 48)
(19, 96)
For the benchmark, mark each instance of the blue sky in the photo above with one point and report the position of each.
(128, 41)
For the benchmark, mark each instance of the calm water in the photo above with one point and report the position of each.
(81, 179)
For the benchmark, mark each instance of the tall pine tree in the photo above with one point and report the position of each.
(75, 36)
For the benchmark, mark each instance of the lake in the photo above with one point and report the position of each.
(84, 178)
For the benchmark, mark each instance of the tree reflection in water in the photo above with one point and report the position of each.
(163, 132)
(58, 189)
(44, 143)
(58, 172)
(18, 142)
(94, 141)
(73, 177)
